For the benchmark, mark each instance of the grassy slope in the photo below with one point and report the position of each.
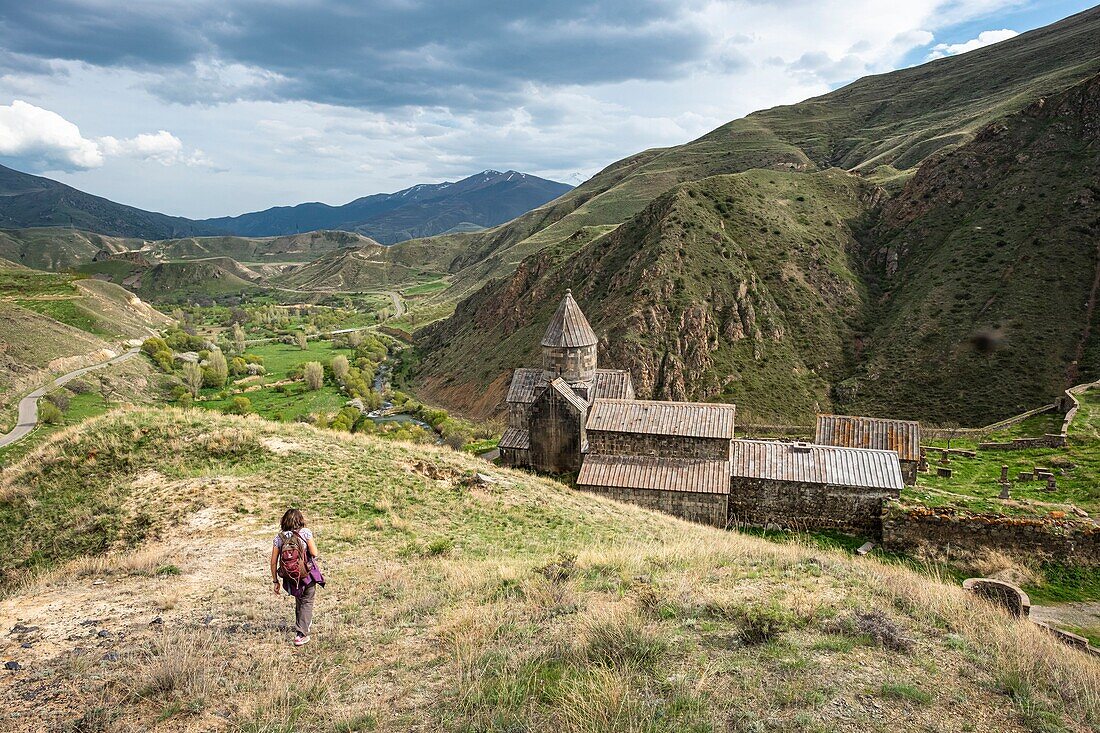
(290, 248)
(997, 259)
(55, 248)
(884, 124)
(733, 287)
(898, 119)
(436, 619)
(51, 323)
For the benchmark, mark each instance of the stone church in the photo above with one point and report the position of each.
(570, 416)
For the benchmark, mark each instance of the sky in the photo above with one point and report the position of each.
(205, 108)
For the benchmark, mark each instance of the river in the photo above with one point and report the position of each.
(379, 416)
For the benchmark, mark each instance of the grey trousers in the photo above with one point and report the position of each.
(303, 610)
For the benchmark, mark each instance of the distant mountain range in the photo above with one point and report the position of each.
(483, 200)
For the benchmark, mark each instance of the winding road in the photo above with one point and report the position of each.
(28, 406)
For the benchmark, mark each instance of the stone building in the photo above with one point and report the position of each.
(849, 431)
(679, 457)
(804, 486)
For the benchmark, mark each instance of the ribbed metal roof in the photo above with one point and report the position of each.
(690, 419)
(569, 328)
(560, 386)
(659, 474)
(850, 431)
(515, 438)
(527, 384)
(816, 464)
(613, 384)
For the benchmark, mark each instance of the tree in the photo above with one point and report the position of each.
(217, 370)
(300, 339)
(238, 337)
(193, 377)
(50, 413)
(355, 338)
(314, 375)
(241, 406)
(339, 365)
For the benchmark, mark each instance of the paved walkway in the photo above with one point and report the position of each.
(28, 406)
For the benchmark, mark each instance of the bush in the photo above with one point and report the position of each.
(60, 399)
(760, 623)
(873, 625)
(49, 413)
(314, 374)
(152, 345)
(241, 406)
(164, 361)
(185, 400)
(79, 386)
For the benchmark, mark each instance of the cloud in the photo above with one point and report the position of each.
(44, 140)
(41, 140)
(160, 147)
(985, 38)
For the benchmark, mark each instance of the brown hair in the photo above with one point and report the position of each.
(292, 520)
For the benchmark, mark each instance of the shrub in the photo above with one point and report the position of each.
(185, 400)
(300, 340)
(60, 399)
(79, 386)
(152, 345)
(241, 406)
(193, 378)
(339, 366)
(873, 625)
(439, 546)
(314, 374)
(49, 413)
(760, 623)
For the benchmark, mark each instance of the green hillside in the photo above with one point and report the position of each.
(737, 286)
(458, 606)
(51, 324)
(985, 271)
(58, 248)
(290, 248)
(876, 346)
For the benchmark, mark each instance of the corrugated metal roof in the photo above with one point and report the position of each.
(613, 384)
(527, 384)
(850, 431)
(660, 474)
(560, 386)
(816, 464)
(569, 328)
(690, 419)
(515, 438)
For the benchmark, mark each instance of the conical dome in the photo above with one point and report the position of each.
(569, 328)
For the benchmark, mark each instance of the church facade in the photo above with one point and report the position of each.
(571, 417)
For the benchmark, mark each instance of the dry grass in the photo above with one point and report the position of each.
(656, 626)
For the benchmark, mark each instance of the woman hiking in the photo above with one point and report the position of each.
(294, 560)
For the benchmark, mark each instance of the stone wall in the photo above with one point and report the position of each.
(1050, 440)
(694, 507)
(606, 442)
(907, 528)
(557, 434)
(515, 457)
(804, 506)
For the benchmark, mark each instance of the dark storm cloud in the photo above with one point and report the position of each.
(383, 54)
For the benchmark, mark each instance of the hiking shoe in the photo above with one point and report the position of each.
(301, 640)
